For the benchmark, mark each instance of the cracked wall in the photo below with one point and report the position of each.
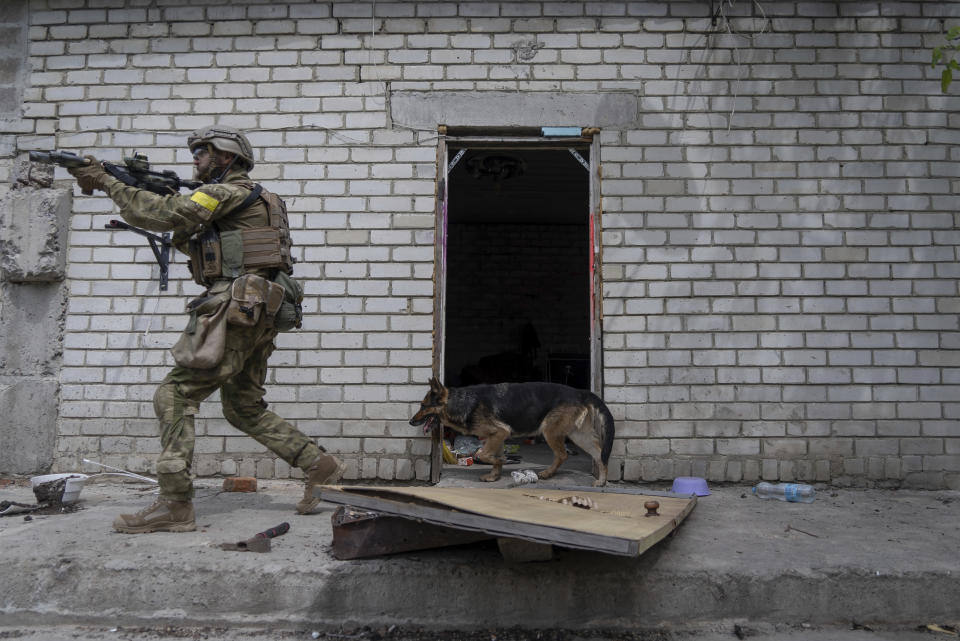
(34, 219)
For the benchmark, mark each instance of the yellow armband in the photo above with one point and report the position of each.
(204, 200)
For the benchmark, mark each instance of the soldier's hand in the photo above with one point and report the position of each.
(90, 176)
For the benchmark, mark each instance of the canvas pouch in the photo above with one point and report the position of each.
(252, 296)
(201, 345)
(290, 314)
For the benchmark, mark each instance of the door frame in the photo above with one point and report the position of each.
(589, 138)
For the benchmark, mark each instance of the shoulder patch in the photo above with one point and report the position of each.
(206, 201)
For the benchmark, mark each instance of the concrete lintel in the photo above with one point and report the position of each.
(428, 109)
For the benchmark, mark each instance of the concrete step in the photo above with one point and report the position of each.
(867, 556)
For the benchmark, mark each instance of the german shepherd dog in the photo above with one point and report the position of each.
(501, 411)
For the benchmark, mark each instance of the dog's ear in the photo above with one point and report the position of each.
(435, 385)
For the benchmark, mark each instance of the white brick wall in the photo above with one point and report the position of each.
(780, 222)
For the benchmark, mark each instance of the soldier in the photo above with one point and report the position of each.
(238, 239)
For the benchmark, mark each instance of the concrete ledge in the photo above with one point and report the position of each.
(427, 109)
(871, 556)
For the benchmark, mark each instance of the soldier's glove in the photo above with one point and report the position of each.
(90, 176)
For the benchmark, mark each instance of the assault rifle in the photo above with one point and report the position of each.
(135, 171)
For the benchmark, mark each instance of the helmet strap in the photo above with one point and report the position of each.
(223, 174)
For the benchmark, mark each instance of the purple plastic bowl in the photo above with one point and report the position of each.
(690, 485)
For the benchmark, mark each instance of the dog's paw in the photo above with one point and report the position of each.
(489, 478)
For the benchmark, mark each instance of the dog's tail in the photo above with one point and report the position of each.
(602, 426)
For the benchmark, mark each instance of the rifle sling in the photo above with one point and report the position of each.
(121, 173)
(254, 194)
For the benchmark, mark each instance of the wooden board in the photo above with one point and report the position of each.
(617, 524)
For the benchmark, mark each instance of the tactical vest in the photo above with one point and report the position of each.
(230, 254)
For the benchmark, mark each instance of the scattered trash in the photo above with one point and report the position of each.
(12, 507)
(117, 469)
(58, 488)
(260, 542)
(239, 484)
(791, 492)
(574, 501)
(467, 460)
(690, 485)
(315, 634)
(65, 488)
(942, 629)
(796, 529)
(55, 494)
(579, 501)
(522, 477)
(448, 455)
(464, 445)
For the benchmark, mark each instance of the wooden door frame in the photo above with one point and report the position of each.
(589, 138)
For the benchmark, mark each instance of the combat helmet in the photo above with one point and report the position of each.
(224, 138)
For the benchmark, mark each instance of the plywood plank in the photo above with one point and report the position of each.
(617, 524)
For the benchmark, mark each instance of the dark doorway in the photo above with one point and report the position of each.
(518, 299)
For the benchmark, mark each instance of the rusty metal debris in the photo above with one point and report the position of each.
(258, 543)
(12, 507)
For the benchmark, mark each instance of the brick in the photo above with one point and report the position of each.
(240, 484)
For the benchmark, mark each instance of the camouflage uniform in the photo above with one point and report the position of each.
(241, 374)
(238, 240)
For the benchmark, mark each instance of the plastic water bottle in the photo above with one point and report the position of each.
(792, 492)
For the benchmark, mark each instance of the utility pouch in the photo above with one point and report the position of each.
(247, 250)
(206, 257)
(252, 296)
(290, 314)
(231, 247)
(262, 248)
(202, 343)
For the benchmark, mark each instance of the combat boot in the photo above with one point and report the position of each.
(165, 515)
(324, 470)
